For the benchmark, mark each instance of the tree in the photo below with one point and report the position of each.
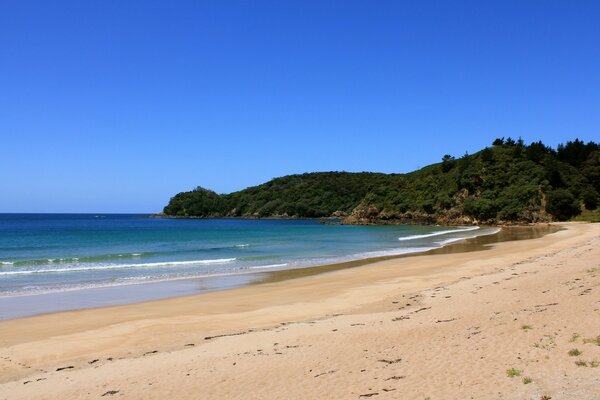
(575, 152)
(562, 204)
(591, 169)
(447, 163)
(536, 151)
(590, 199)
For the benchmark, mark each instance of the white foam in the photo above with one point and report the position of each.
(6, 263)
(438, 233)
(452, 240)
(269, 266)
(128, 281)
(315, 262)
(241, 245)
(120, 266)
(391, 252)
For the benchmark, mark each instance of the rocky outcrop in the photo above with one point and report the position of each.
(368, 214)
(363, 214)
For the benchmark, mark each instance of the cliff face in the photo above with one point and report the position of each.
(507, 183)
(417, 218)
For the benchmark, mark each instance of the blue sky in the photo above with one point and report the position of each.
(114, 106)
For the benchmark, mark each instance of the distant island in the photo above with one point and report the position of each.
(509, 182)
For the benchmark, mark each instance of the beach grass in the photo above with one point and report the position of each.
(574, 352)
(588, 216)
(595, 340)
(574, 338)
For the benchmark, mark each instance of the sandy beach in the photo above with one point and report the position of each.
(513, 320)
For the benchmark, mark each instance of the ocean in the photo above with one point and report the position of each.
(66, 258)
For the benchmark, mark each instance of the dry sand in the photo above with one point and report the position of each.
(425, 327)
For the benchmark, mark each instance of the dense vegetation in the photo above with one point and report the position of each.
(509, 181)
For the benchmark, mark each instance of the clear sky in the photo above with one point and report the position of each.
(114, 106)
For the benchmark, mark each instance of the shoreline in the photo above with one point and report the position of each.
(423, 220)
(36, 304)
(140, 342)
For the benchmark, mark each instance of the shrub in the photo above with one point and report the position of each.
(590, 199)
(562, 204)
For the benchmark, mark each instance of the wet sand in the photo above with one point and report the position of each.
(442, 325)
(479, 243)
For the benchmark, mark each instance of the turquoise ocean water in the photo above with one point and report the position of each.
(57, 253)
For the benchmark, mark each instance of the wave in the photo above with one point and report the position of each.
(269, 266)
(438, 233)
(82, 259)
(126, 281)
(109, 257)
(411, 250)
(452, 240)
(232, 246)
(119, 266)
(390, 252)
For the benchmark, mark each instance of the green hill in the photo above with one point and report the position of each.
(507, 182)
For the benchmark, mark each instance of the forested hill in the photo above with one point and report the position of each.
(507, 182)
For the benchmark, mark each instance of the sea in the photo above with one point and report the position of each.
(57, 262)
